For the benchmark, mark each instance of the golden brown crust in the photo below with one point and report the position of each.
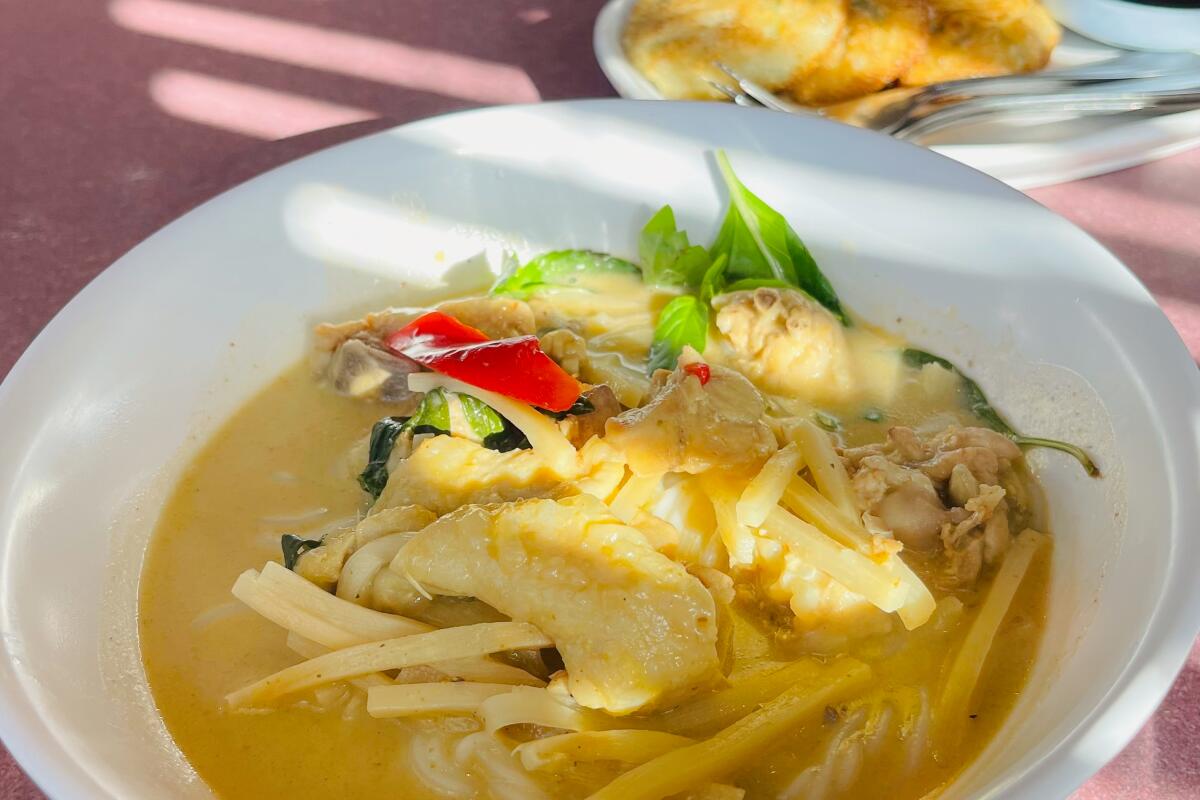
(976, 38)
(676, 43)
(830, 51)
(881, 40)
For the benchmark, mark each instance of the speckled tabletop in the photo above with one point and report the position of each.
(120, 115)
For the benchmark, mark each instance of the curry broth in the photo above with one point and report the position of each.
(283, 455)
(280, 455)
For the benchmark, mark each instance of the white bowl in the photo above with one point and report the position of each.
(118, 392)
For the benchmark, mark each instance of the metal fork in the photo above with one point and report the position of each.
(1133, 81)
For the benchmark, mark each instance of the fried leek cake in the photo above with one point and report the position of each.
(975, 38)
(881, 40)
(676, 42)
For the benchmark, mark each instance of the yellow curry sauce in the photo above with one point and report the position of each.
(283, 455)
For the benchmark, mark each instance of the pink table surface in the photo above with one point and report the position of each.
(119, 116)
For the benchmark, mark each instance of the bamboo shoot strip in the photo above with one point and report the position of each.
(408, 651)
(737, 538)
(852, 569)
(413, 699)
(743, 741)
(310, 649)
(826, 466)
(347, 623)
(764, 491)
(808, 504)
(483, 669)
(951, 711)
(626, 746)
(306, 610)
(525, 705)
(712, 712)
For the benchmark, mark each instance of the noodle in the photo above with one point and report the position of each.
(430, 698)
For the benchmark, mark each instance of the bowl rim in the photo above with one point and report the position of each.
(1171, 629)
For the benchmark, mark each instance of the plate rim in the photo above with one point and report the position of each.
(1083, 156)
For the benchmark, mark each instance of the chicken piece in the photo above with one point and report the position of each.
(579, 428)
(907, 445)
(361, 370)
(569, 351)
(985, 452)
(980, 510)
(323, 565)
(963, 564)
(903, 500)
(675, 43)
(787, 343)
(996, 535)
(901, 482)
(689, 427)
(372, 329)
(351, 358)
(914, 515)
(881, 40)
(634, 629)
(445, 472)
(962, 485)
(980, 537)
(498, 317)
(974, 38)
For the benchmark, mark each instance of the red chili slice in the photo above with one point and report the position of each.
(514, 367)
(701, 371)
(434, 330)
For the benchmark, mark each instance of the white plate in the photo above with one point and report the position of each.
(124, 385)
(1024, 155)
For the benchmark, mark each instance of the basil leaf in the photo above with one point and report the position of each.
(668, 258)
(494, 431)
(293, 547)
(580, 407)
(482, 418)
(383, 438)
(432, 416)
(713, 282)
(561, 269)
(683, 321)
(508, 438)
(977, 402)
(760, 244)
